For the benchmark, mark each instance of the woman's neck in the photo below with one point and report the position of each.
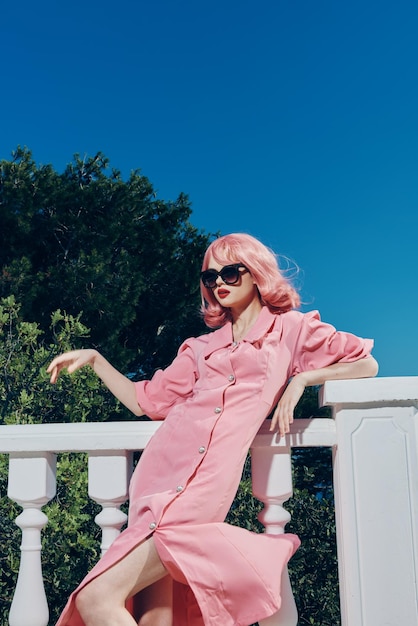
(243, 320)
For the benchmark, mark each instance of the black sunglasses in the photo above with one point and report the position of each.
(230, 275)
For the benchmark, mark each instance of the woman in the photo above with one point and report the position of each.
(177, 558)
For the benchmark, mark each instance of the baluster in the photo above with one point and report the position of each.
(31, 484)
(272, 485)
(108, 486)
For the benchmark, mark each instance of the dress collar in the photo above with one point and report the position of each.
(222, 337)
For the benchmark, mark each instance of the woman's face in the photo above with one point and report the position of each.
(237, 296)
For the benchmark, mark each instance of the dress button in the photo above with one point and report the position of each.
(179, 488)
(231, 378)
(218, 409)
(202, 449)
(153, 525)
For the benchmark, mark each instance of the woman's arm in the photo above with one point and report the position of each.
(283, 415)
(121, 387)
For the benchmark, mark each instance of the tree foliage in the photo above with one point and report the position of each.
(87, 241)
(25, 393)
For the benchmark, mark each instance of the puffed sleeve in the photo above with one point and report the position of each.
(319, 344)
(169, 386)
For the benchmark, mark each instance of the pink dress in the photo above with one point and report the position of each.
(213, 399)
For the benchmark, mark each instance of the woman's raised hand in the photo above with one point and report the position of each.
(121, 386)
(72, 361)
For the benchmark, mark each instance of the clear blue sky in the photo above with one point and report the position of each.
(293, 120)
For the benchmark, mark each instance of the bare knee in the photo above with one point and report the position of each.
(91, 605)
(82, 604)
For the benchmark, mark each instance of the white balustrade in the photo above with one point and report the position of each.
(375, 440)
(32, 453)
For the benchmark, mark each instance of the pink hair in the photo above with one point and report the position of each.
(275, 290)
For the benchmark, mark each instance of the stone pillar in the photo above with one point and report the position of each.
(376, 498)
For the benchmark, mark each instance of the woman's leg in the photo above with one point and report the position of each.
(154, 604)
(102, 601)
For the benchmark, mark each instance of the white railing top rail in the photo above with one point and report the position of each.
(134, 435)
(95, 436)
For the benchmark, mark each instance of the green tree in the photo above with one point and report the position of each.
(87, 241)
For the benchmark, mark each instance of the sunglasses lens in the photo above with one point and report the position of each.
(209, 279)
(230, 274)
